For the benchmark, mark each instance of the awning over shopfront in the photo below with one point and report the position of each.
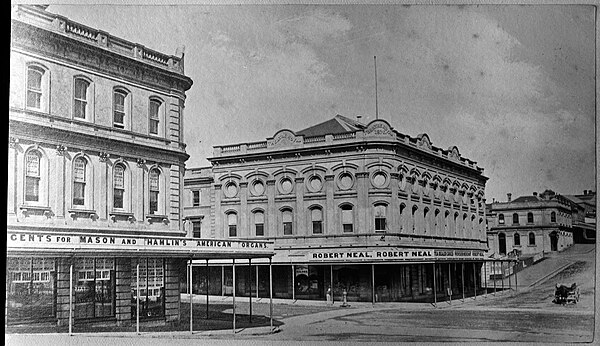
(33, 243)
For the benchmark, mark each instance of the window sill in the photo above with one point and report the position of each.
(152, 218)
(75, 213)
(116, 215)
(28, 210)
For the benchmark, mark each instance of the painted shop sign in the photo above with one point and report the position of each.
(392, 254)
(36, 240)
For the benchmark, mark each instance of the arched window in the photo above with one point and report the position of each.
(515, 218)
(553, 216)
(35, 87)
(154, 186)
(287, 221)
(79, 181)
(154, 116)
(316, 216)
(455, 222)
(347, 218)
(232, 224)
(436, 216)
(529, 217)
(501, 219)
(80, 98)
(120, 107)
(119, 186)
(517, 239)
(380, 218)
(259, 223)
(531, 238)
(32, 176)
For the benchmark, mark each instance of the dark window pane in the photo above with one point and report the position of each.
(232, 230)
(79, 193)
(348, 228)
(153, 202)
(287, 228)
(260, 229)
(118, 198)
(196, 228)
(317, 227)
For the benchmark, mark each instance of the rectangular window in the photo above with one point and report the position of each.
(119, 110)
(152, 287)
(347, 220)
(317, 227)
(153, 202)
(118, 198)
(287, 228)
(287, 222)
(79, 193)
(196, 198)
(233, 230)
(260, 229)
(197, 228)
(95, 288)
(32, 189)
(154, 116)
(380, 224)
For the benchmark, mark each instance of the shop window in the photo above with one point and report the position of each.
(531, 238)
(151, 292)
(32, 176)
(515, 218)
(529, 217)
(347, 218)
(196, 198)
(80, 98)
(380, 217)
(501, 219)
(154, 187)
(259, 223)
(232, 224)
(316, 215)
(287, 220)
(95, 288)
(517, 239)
(30, 288)
(553, 217)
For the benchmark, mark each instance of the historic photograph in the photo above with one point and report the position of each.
(274, 173)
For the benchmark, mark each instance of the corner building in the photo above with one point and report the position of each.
(353, 207)
(95, 176)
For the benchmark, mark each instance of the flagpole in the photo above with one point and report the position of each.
(376, 105)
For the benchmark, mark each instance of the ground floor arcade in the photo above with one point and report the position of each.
(413, 279)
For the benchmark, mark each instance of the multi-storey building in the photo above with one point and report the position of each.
(530, 225)
(95, 176)
(350, 207)
(584, 216)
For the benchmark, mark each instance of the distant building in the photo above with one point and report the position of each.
(350, 206)
(530, 225)
(584, 216)
(95, 169)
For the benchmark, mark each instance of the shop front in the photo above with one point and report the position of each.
(68, 278)
(381, 274)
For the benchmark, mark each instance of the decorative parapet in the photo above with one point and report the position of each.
(52, 22)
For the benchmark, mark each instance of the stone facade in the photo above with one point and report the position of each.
(530, 225)
(95, 148)
(342, 185)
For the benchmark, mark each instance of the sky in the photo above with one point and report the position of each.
(512, 86)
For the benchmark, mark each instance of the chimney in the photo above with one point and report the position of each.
(585, 192)
(508, 196)
(535, 194)
(358, 118)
